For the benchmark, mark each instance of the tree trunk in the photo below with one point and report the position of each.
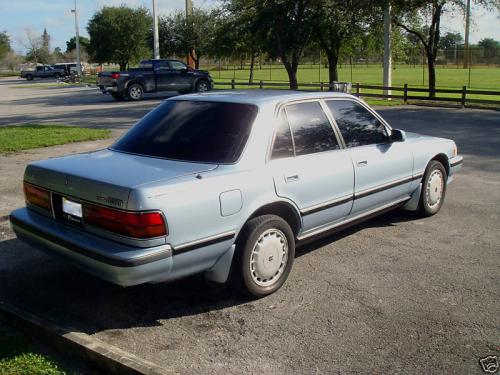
(333, 59)
(432, 74)
(123, 66)
(291, 69)
(252, 63)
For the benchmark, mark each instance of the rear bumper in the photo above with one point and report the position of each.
(117, 263)
(105, 89)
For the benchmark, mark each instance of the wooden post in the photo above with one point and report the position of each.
(232, 84)
(464, 94)
(405, 94)
(357, 89)
(261, 84)
(322, 86)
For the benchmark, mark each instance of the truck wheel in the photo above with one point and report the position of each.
(433, 189)
(29, 77)
(135, 92)
(265, 251)
(202, 86)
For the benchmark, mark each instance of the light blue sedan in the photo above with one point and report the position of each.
(227, 184)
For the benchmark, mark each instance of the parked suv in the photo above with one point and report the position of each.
(226, 184)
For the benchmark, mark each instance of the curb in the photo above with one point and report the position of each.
(106, 357)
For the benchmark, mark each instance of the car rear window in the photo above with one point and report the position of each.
(195, 131)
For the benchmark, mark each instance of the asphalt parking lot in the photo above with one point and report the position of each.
(398, 294)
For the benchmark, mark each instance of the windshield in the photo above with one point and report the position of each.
(195, 131)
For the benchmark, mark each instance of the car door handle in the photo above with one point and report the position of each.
(362, 163)
(292, 178)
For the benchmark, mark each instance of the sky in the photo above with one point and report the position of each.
(55, 15)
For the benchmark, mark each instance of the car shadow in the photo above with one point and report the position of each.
(60, 293)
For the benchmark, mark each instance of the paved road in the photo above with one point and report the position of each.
(398, 294)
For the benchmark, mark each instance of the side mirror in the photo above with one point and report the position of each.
(397, 135)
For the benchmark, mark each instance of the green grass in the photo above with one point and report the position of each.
(17, 357)
(481, 78)
(24, 137)
(38, 85)
(9, 74)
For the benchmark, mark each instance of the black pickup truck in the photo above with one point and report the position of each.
(154, 76)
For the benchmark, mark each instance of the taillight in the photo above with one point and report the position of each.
(115, 75)
(130, 224)
(37, 196)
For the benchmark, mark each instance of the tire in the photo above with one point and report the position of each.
(202, 86)
(135, 92)
(117, 96)
(29, 77)
(433, 189)
(57, 76)
(265, 251)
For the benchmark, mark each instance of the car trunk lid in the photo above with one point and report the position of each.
(106, 177)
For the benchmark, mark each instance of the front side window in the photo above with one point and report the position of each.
(283, 144)
(358, 126)
(177, 65)
(312, 132)
(194, 131)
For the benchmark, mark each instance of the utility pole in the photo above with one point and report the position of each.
(77, 34)
(156, 42)
(467, 29)
(387, 50)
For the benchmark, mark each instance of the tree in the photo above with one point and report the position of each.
(422, 18)
(337, 23)
(4, 44)
(236, 34)
(58, 55)
(180, 37)
(71, 44)
(12, 61)
(287, 26)
(119, 35)
(36, 49)
(450, 40)
(46, 40)
(491, 47)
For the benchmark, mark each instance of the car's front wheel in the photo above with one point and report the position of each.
(265, 254)
(135, 92)
(202, 86)
(433, 189)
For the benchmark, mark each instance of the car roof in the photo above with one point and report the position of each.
(260, 97)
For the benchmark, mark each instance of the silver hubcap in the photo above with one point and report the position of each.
(435, 186)
(135, 92)
(269, 257)
(202, 87)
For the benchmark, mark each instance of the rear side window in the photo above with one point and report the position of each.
(358, 126)
(195, 131)
(312, 132)
(283, 144)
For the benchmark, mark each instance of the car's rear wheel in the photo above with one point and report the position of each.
(265, 251)
(433, 189)
(135, 92)
(29, 77)
(56, 76)
(202, 86)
